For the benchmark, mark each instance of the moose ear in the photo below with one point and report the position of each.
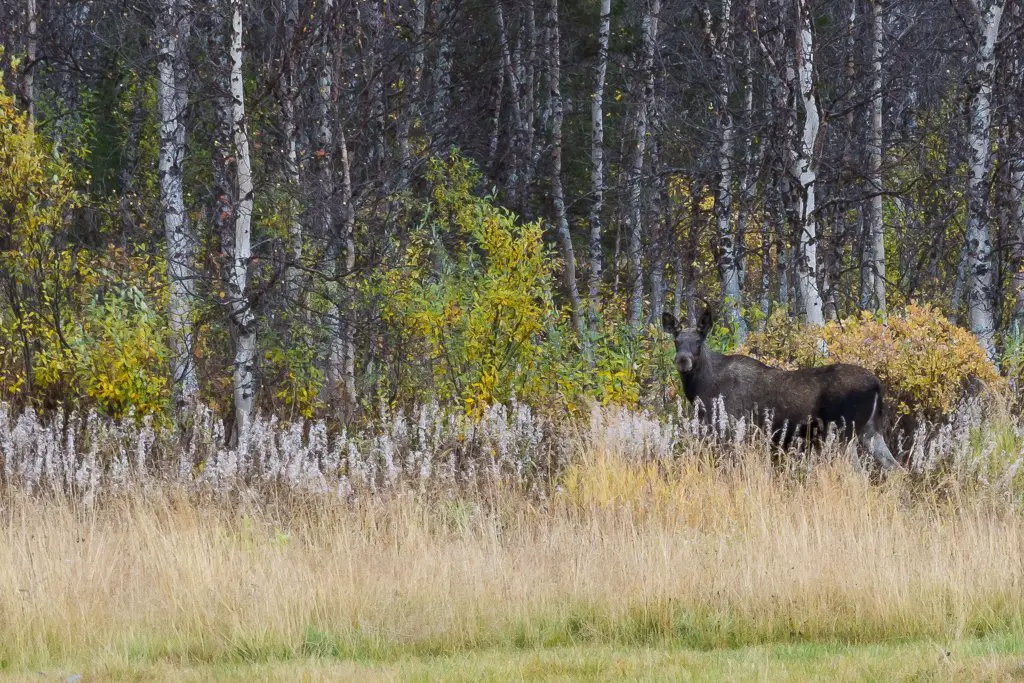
(668, 323)
(705, 322)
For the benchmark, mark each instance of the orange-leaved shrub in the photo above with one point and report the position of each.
(925, 362)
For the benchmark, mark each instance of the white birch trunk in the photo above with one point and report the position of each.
(980, 304)
(804, 170)
(634, 213)
(729, 265)
(242, 316)
(597, 159)
(348, 234)
(28, 78)
(876, 229)
(289, 95)
(181, 276)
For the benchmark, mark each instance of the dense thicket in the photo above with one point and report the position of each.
(316, 205)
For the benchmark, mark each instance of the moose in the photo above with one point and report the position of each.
(799, 403)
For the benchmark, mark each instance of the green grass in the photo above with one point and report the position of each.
(994, 658)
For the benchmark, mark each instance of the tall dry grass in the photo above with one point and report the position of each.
(621, 548)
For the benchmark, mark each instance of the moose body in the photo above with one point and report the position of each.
(799, 402)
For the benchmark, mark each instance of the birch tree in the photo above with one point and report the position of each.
(289, 95)
(875, 251)
(31, 58)
(597, 159)
(980, 304)
(173, 22)
(557, 192)
(804, 169)
(239, 254)
(634, 211)
(719, 42)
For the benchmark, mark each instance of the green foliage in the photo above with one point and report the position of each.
(472, 302)
(924, 361)
(114, 355)
(40, 275)
(479, 312)
(291, 375)
(75, 325)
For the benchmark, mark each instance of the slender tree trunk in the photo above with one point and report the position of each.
(804, 169)
(492, 147)
(172, 28)
(979, 243)
(677, 291)
(442, 72)
(782, 258)
(528, 85)
(636, 167)
(411, 94)
(243, 319)
(752, 153)
(557, 193)
(289, 95)
(31, 47)
(376, 77)
(512, 63)
(1016, 192)
(766, 280)
(719, 43)
(348, 235)
(1018, 275)
(657, 284)
(876, 230)
(129, 199)
(340, 249)
(597, 160)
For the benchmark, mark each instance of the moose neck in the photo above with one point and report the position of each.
(699, 381)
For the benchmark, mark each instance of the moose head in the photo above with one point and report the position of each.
(689, 342)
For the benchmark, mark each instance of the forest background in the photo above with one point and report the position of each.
(319, 208)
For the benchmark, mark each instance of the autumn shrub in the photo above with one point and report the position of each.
(925, 361)
(472, 317)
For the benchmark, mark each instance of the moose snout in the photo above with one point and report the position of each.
(684, 362)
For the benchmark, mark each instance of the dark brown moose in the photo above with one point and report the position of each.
(799, 403)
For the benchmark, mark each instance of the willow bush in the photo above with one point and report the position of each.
(926, 363)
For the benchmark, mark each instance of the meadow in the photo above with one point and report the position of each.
(432, 545)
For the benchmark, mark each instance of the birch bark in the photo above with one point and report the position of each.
(172, 98)
(876, 232)
(804, 169)
(597, 160)
(243, 319)
(980, 304)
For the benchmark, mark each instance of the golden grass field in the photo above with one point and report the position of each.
(623, 566)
